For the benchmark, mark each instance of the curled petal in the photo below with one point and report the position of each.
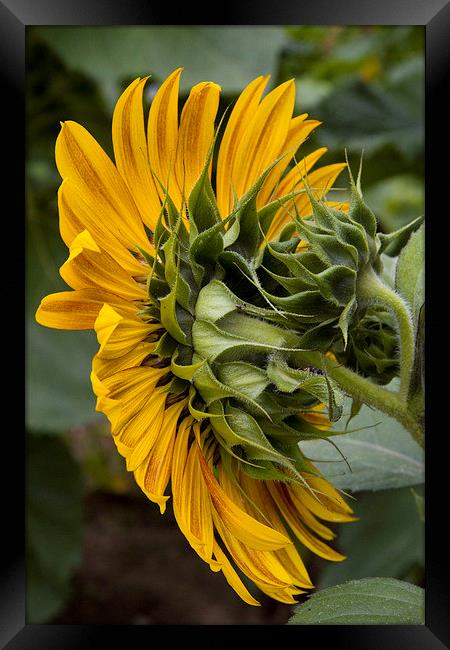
(89, 266)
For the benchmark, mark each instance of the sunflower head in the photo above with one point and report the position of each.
(203, 296)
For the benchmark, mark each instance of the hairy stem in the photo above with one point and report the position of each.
(372, 291)
(369, 393)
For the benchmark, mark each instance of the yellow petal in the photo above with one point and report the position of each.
(232, 577)
(201, 540)
(89, 266)
(119, 333)
(131, 154)
(75, 310)
(196, 134)
(138, 435)
(299, 130)
(264, 137)
(94, 176)
(326, 502)
(239, 523)
(240, 117)
(290, 514)
(131, 388)
(162, 134)
(259, 566)
(180, 453)
(309, 519)
(153, 475)
(75, 216)
(282, 595)
(106, 367)
(195, 506)
(289, 557)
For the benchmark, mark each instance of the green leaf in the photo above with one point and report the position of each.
(371, 601)
(54, 525)
(409, 280)
(380, 457)
(387, 540)
(59, 392)
(112, 54)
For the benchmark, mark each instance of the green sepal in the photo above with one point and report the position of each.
(177, 386)
(151, 311)
(359, 211)
(156, 287)
(346, 318)
(296, 429)
(250, 234)
(243, 325)
(336, 284)
(214, 301)
(212, 389)
(305, 306)
(212, 343)
(202, 206)
(184, 371)
(266, 471)
(171, 313)
(172, 270)
(252, 438)
(231, 234)
(194, 411)
(289, 380)
(151, 261)
(169, 212)
(242, 377)
(292, 285)
(166, 346)
(238, 428)
(207, 245)
(392, 243)
(328, 247)
(267, 213)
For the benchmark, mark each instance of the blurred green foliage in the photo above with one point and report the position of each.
(364, 83)
(388, 521)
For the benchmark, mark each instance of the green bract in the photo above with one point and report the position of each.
(241, 312)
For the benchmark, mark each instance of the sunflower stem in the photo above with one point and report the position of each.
(364, 390)
(372, 291)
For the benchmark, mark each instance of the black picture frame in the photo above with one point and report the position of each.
(434, 15)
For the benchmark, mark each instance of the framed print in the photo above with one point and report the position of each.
(229, 421)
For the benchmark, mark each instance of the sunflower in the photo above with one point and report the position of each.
(174, 261)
